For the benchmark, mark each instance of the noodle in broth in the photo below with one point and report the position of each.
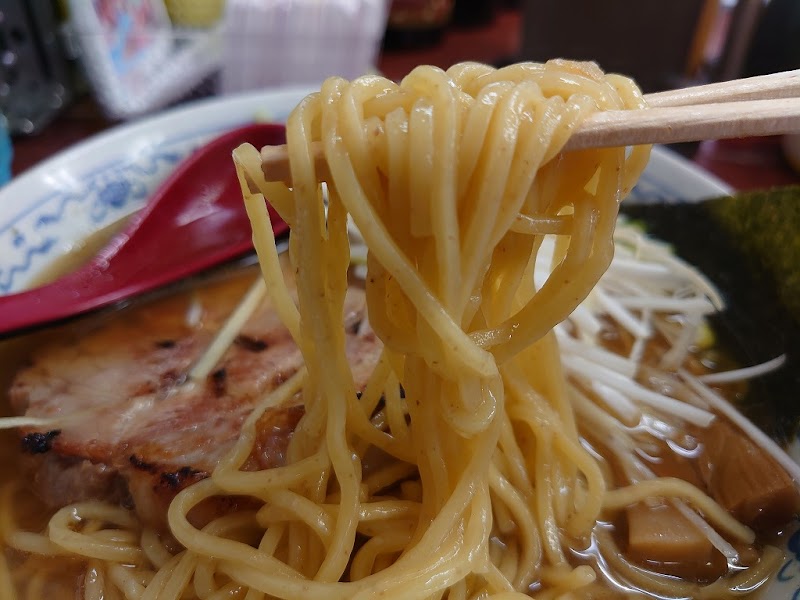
(491, 449)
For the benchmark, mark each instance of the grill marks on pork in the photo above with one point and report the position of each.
(130, 432)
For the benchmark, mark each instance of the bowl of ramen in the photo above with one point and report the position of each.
(390, 407)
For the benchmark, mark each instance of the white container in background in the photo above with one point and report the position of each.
(282, 42)
(134, 59)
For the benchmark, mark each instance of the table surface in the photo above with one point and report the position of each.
(744, 164)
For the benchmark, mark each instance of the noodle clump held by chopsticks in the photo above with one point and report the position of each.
(452, 178)
(458, 471)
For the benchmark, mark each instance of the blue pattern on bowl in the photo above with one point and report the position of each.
(788, 576)
(47, 211)
(101, 197)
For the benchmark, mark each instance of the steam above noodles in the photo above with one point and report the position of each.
(497, 436)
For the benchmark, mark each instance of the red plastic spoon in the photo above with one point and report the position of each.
(195, 219)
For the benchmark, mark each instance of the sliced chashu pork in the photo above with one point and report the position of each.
(132, 433)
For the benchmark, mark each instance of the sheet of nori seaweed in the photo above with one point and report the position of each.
(749, 246)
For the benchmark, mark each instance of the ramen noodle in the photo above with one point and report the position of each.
(511, 438)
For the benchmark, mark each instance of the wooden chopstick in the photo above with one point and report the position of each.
(689, 123)
(775, 85)
(757, 106)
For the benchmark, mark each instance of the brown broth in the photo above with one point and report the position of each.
(14, 353)
(165, 310)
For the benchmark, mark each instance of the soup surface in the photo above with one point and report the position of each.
(106, 370)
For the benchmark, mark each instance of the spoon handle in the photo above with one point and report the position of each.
(194, 220)
(73, 294)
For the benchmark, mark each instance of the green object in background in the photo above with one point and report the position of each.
(195, 13)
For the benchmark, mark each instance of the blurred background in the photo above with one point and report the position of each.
(72, 68)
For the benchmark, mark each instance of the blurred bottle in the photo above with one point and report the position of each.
(417, 23)
(35, 79)
(5, 151)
